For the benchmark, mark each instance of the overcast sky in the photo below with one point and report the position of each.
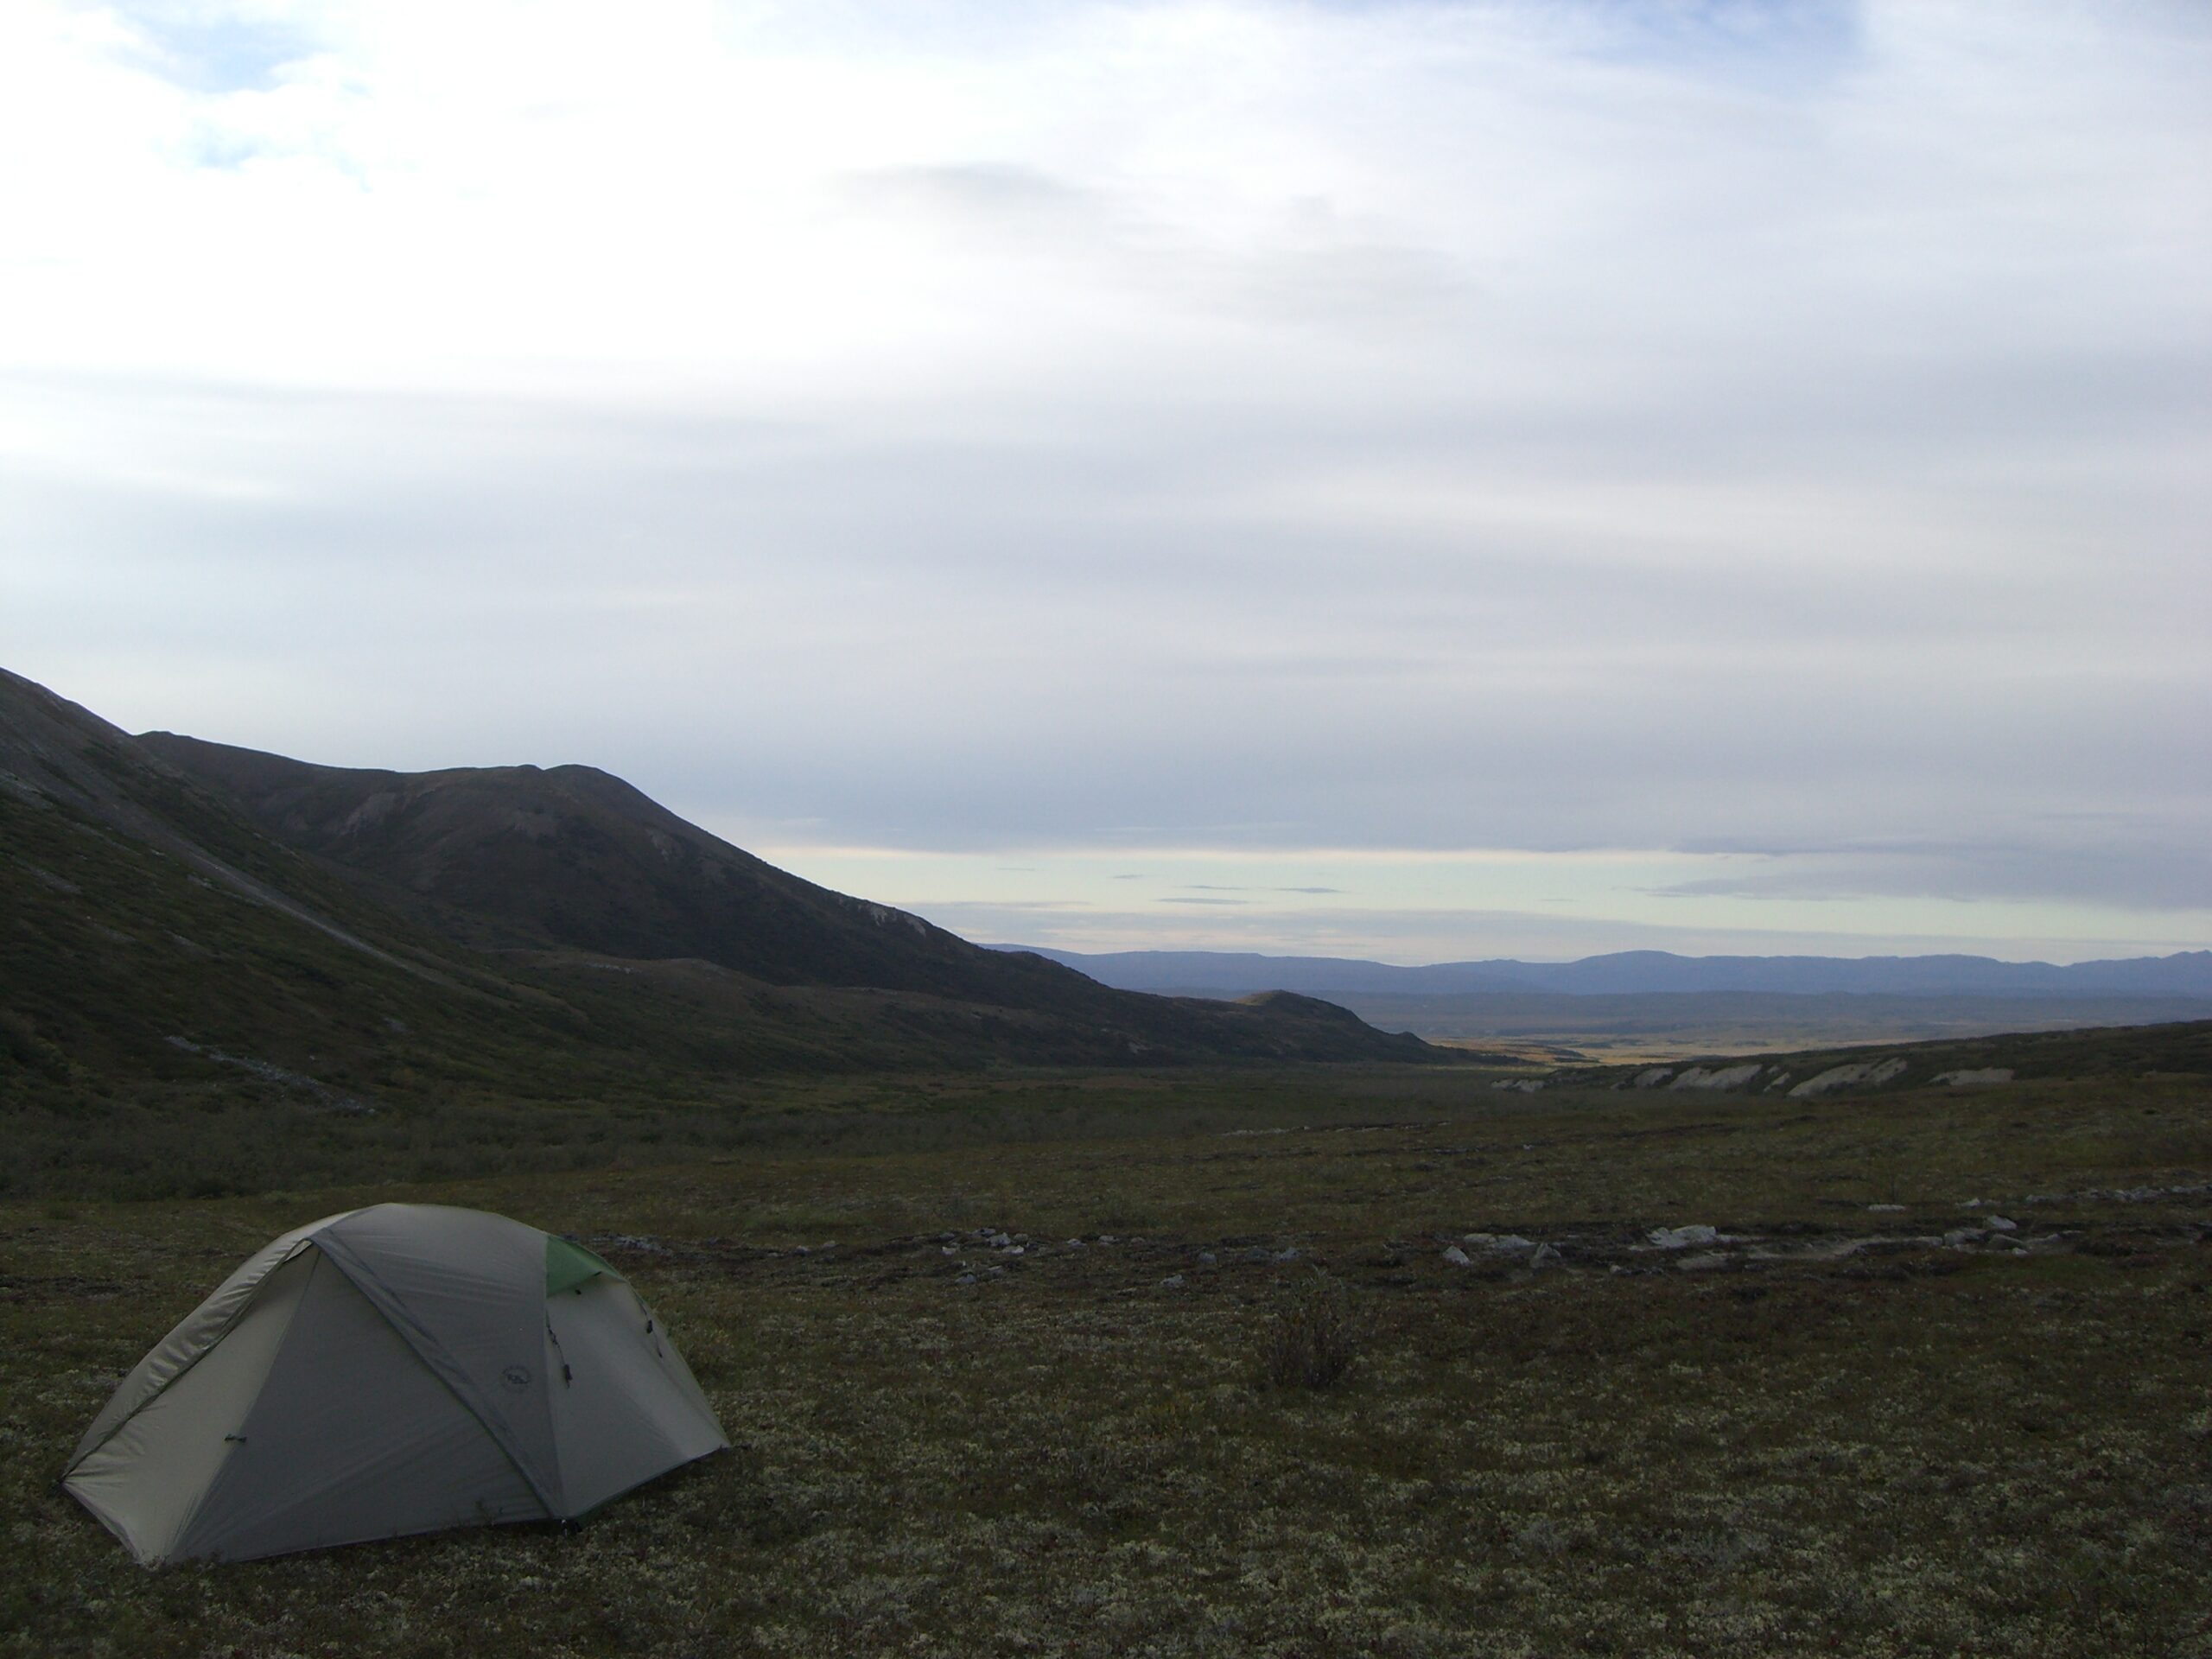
(1421, 480)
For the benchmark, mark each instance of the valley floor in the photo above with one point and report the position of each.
(1013, 1397)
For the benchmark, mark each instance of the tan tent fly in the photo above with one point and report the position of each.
(396, 1369)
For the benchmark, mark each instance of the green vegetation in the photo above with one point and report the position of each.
(1828, 1431)
(163, 1034)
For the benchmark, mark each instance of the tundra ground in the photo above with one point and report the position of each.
(997, 1394)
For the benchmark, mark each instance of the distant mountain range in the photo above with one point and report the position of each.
(181, 920)
(1204, 972)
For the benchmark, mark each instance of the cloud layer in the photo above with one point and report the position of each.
(1772, 431)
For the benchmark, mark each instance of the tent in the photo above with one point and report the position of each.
(395, 1369)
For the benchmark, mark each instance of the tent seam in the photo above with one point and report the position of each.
(436, 1361)
(214, 1342)
(214, 1483)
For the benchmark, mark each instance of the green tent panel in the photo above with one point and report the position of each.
(568, 1264)
(396, 1369)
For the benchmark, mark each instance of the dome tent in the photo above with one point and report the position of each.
(396, 1369)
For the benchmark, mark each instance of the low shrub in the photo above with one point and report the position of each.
(1314, 1339)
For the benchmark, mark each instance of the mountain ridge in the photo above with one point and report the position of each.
(481, 940)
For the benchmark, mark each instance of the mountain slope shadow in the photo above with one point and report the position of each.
(572, 859)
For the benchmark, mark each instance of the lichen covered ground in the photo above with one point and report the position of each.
(1835, 1428)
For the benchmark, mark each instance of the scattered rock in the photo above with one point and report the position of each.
(1964, 1078)
(965, 1278)
(1001, 1240)
(1519, 1085)
(1959, 1237)
(1457, 1257)
(1172, 1281)
(1207, 1258)
(1545, 1257)
(1886, 1209)
(1680, 1238)
(328, 1097)
(1503, 1243)
(1999, 1224)
(1288, 1254)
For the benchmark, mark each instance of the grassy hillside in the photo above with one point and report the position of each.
(160, 1033)
(188, 1004)
(572, 858)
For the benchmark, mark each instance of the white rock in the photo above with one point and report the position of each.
(1886, 1209)
(1457, 1257)
(1172, 1281)
(1679, 1238)
(1868, 1072)
(1999, 1224)
(1545, 1257)
(1504, 1244)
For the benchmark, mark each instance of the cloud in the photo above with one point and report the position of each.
(2140, 873)
(1439, 427)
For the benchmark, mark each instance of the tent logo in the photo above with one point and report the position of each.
(516, 1377)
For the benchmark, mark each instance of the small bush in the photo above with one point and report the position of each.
(1314, 1341)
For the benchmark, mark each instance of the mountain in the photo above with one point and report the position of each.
(190, 929)
(2185, 974)
(571, 857)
